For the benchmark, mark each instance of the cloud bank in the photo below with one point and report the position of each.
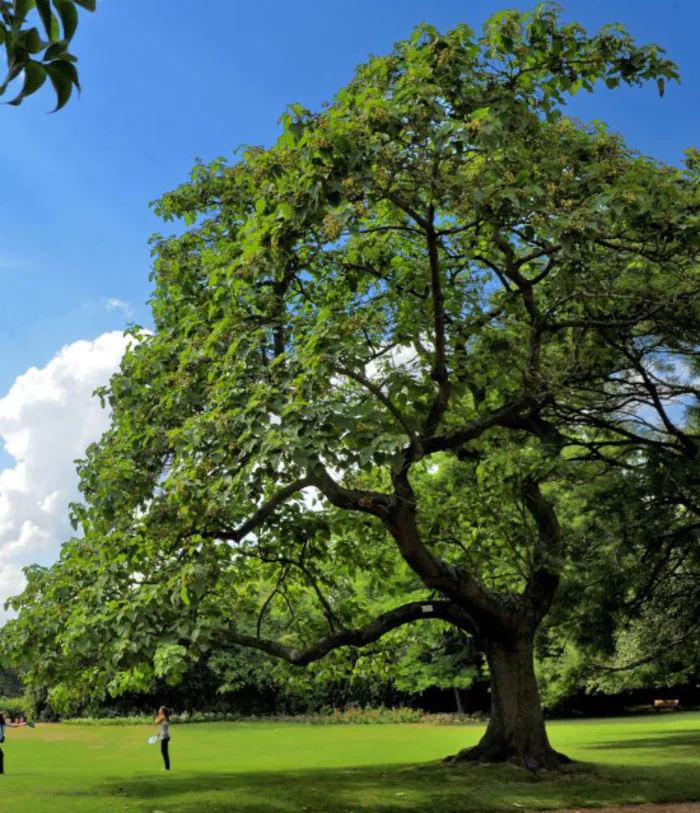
(47, 420)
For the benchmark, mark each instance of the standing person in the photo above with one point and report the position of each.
(163, 720)
(5, 723)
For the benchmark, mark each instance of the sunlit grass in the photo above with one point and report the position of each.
(319, 769)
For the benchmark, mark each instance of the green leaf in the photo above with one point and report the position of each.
(296, 128)
(34, 78)
(55, 51)
(68, 69)
(88, 5)
(12, 74)
(23, 7)
(69, 18)
(62, 82)
(44, 9)
(661, 84)
(53, 28)
(33, 41)
(480, 113)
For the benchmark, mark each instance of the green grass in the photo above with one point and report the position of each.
(260, 768)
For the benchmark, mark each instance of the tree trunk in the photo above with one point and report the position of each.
(458, 700)
(516, 731)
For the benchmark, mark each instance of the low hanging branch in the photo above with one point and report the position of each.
(363, 636)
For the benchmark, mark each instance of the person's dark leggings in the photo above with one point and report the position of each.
(166, 754)
(2, 762)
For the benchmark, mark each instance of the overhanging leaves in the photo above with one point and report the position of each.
(27, 51)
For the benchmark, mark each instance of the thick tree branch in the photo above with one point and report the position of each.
(266, 510)
(397, 511)
(409, 210)
(547, 553)
(547, 432)
(452, 581)
(362, 636)
(350, 499)
(498, 417)
(525, 287)
(512, 271)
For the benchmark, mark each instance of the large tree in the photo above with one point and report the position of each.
(36, 36)
(394, 344)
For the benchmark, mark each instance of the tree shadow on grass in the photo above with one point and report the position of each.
(401, 789)
(687, 741)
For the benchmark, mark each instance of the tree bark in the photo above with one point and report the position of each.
(516, 731)
(458, 700)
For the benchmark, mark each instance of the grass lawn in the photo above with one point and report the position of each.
(260, 768)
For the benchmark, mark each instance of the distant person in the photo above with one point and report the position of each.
(5, 723)
(163, 720)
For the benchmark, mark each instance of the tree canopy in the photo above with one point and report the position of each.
(38, 49)
(392, 354)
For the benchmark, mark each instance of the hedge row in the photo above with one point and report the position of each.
(353, 716)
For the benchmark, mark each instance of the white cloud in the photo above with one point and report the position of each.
(47, 420)
(119, 305)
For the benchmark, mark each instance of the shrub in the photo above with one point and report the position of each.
(14, 706)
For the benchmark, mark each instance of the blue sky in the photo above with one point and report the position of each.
(164, 84)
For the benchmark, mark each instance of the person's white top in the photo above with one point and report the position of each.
(2, 731)
(165, 730)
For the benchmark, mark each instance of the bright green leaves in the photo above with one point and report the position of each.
(293, 124)
(546, 59)
(170, 662)
(41, 53)
(436, 656)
